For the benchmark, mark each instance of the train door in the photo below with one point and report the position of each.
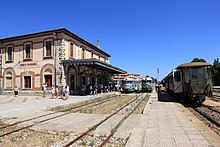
(177, 81)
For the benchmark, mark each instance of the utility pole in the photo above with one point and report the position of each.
(158, 71)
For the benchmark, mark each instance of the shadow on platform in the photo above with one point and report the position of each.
(165, 97)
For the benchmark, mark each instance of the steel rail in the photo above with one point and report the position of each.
(210, 108)
(28, 126)
(120, 123)
(98, 124)
(68, 109)
(207, 117)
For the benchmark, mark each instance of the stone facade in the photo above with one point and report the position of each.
(28, 61)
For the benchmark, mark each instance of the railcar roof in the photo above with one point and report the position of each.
(194, 64)
(149, 78)
(131, 79)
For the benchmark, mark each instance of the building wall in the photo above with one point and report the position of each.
(40, 66)
(21, 67)
(78, 47)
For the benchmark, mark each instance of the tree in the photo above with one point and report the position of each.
(216, 72)
(198, 60)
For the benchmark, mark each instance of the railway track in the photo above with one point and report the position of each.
(210, 116)
(76, 108)
(212, 109)
(119, 124)
(113, 130)
(216, 94)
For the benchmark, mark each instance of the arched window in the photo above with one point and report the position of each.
(8, 80)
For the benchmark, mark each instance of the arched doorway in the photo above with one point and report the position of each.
(72, 80)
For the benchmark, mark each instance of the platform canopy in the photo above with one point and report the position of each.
(95, 63)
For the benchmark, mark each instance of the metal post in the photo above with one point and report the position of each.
(158, 75)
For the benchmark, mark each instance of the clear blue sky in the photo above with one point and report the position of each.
(140, 35)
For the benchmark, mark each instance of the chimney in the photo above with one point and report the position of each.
(98, 44)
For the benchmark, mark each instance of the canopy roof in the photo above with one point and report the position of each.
(95, 63)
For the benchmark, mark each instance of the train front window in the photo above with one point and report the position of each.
(198, 74)
(127, 82)
(201, 74)
(149, 81)
(194, 74)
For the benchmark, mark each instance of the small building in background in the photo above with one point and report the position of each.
(120, 77)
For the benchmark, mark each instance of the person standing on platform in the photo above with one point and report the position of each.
(68, 89)
(95, 90)
(57, 92)
(62, 92)
(44, 89)
(90, 88)
(53, 92)
(16, 91)
(66, 93)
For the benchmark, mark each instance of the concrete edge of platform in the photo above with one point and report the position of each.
(134, 138)
(206, 132)
(147, 107)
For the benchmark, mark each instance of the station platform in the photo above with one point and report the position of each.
(167, 123)
(12, 107)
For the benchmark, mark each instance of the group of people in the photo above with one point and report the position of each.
(94, 89)
(64, 92)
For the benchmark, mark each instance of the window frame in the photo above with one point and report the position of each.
(45, 52)
(7, 54)
(25, 58)
(27, 84)
(83, 54)
(7, 81)
(71, 49)
(177, 76)
(194, 74)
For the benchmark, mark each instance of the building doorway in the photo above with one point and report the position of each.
(72, 83)
(48, 80)
(93, 81)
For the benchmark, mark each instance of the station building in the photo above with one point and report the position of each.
(55, 57)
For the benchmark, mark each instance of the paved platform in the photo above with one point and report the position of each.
(164, 124)
(11, 106)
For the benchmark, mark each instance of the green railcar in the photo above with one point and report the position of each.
(147, 84)
(130, 85)
(191, 81)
